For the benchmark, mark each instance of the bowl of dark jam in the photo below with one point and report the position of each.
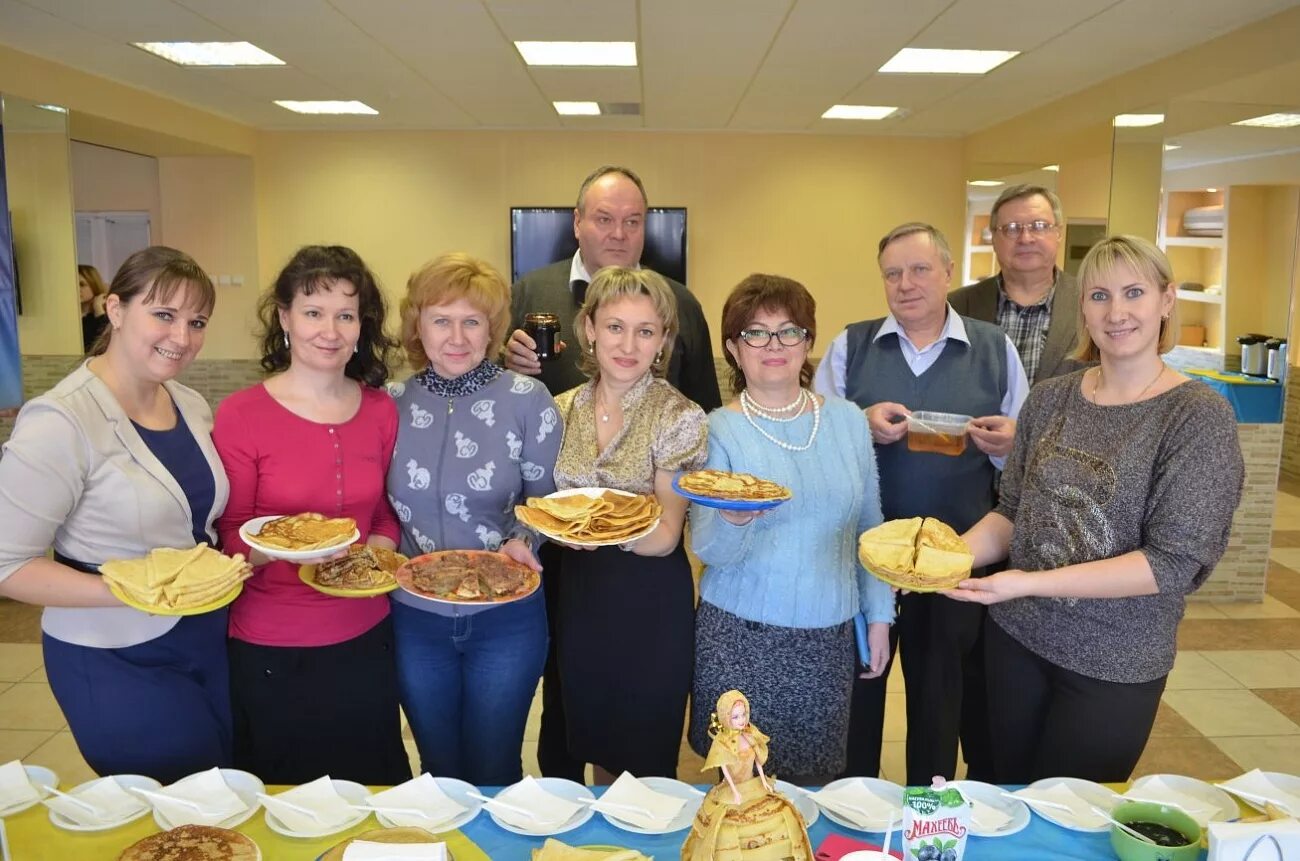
(1175, 835)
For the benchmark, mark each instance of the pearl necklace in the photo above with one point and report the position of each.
(747, 408)
(775, 414)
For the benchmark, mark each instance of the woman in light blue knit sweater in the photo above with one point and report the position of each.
(781, 589)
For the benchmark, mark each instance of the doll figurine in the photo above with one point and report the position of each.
(743, 818)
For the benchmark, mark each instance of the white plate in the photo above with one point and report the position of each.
(564, 789)
(1094, 793)
(1226, 809)
(987, 793)
(458, 791)
(802, 801)
(126, 781)
(39, 776)
(353, 793)
(667, 786)
(243, 784)
(249, 531)
(1288, 783)
(595, 492)
(883, 789)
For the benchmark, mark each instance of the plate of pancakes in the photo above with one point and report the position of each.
(193, 841)
(916, 554)
(591, 516)
(732, 491)
(177, 582)
(467, 577)
(365, 572)
(299, 537)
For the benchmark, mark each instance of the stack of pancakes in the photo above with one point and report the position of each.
(176, 579)
(309, 531)
(193, 843)
(364, 567)
(473, 576)
(915, 554)
(577, 518)
(738, 486)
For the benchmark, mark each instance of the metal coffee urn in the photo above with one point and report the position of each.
(1277, 359)
(1254, 355)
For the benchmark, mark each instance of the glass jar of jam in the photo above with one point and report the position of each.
(544, 329)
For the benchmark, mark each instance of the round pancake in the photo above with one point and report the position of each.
(193, 843)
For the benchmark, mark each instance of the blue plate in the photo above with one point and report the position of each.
(727, 504)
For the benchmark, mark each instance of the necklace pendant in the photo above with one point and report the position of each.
(605, 417)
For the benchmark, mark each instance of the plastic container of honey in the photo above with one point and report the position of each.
(941, 433)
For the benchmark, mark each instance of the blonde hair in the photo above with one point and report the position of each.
(616, 282)
(1142, 259)
(445, 279)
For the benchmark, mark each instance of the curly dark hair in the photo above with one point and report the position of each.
(316, 267)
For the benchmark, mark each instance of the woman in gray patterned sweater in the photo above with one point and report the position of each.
(473, 439)
(1116, 503)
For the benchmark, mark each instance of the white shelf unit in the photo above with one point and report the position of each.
(1198, 259)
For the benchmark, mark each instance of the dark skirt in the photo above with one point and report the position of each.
(626, 645)
(798, 682)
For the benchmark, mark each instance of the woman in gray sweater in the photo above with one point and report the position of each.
(1116, 503)
(473, 440)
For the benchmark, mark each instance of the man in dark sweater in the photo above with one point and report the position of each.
(609, 223)
(925, 356)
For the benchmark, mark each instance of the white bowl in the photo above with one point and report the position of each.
(353, 793)
(249, 531)
(246, 786)
(1094, 793)
(667, 786)
(564, 789)
(883, 789)
(458, 791)
(40, 777)
(987, 793)
(126, 781)
(1225, 807)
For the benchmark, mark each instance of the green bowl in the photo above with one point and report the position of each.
(1129, 848)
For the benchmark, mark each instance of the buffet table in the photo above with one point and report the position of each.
(33, 838)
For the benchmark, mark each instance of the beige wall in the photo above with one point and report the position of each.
(804, 206)
(1135, 189)
(110, 180)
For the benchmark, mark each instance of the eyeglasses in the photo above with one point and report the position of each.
(759, 338)
(1013, 229)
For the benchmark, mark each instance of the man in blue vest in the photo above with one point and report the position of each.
(925, 356)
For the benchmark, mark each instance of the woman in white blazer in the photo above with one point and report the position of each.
(115, 460)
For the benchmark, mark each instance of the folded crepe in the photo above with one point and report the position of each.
(920, 555)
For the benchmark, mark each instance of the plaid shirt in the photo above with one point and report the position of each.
(1026, 326)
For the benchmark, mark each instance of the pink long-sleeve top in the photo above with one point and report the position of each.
(281, 463)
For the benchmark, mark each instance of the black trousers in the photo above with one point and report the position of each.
(304, 711)
(940, 645)
(1048, 721)
(867, 717)
(553, 757)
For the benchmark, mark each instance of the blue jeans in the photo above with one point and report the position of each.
(466, 685)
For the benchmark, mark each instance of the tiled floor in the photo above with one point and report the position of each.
(1232, 702)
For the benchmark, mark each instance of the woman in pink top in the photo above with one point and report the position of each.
(313, 683)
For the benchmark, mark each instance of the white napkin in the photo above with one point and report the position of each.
(1080, 813)
(422, 793)
(207, 789)
(1157, 790)
(1254, 785)
(629, 800)
(365, 850)
(15, 787)
(112, 803)
(986, 817)
(1233, 841)
(319, 796)
(858, 804)
(549, 810)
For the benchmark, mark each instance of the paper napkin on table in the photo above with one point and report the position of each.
(365, 850)
(110, 801)
(548, 810)
(987, 817)
(15, 786)
(1157, 790)
(1254, 841)
(857, 803)
(422, 793)
(1255, 787)
(318, 796)
(1079, 815)
(208, 789)
(554, 850)
(629, 800)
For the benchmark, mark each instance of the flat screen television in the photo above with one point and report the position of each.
(541, 235)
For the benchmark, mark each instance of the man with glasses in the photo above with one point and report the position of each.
(923, 355)
(1035, 303)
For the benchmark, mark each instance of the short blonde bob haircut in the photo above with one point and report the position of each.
(616, 282)
(1142, 259)
(444, 280)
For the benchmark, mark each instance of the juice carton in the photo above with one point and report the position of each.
(935, 822)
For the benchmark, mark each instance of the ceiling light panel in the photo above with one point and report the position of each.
(859, 112)
(326, 107)
(943, 61)
(578, 53)
(985, 183)
(1272, 121)
(1138, 121)
(229, 54)
(577, 109)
